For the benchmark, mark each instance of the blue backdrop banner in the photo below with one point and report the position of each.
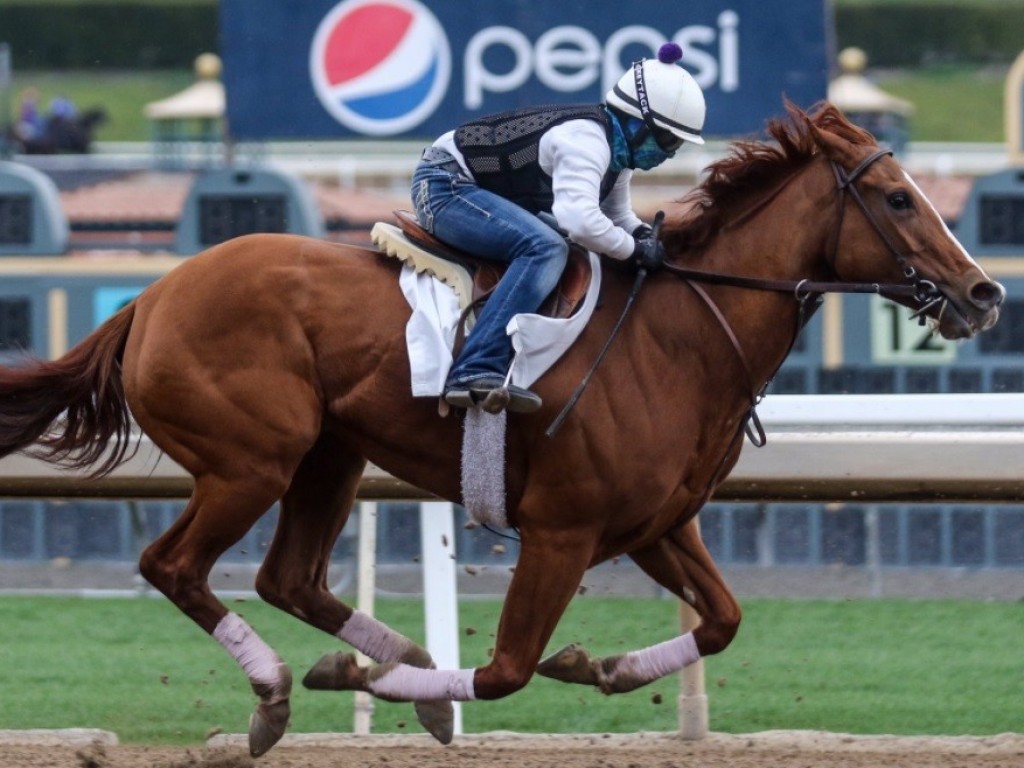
(415, 68)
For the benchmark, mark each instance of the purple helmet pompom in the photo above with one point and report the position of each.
(670, 53)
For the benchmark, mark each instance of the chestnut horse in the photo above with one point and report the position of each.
(273, 367)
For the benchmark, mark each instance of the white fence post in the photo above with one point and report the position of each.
(440, 590)
(365, 592)
(693, 700)
(692, 705)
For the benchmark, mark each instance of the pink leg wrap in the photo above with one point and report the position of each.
(655, 662)
(405, 683)
(256, 658)
(376, 640)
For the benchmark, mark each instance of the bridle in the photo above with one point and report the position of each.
(808, 293)
(923, 291)
(926, 293)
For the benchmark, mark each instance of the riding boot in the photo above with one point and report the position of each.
(493, 394)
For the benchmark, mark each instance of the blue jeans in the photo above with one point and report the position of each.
(458, 212)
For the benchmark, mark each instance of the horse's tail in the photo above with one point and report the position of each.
(86, 387)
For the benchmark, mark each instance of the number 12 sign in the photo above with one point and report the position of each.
(898, 339)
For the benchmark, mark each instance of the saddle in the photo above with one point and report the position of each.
(472, 278)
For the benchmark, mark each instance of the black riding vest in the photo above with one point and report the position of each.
(503, 151)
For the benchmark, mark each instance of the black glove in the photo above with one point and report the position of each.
(642, 231)
(648, 253)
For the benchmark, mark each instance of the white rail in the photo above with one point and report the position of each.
(882, 448)
(352, 161)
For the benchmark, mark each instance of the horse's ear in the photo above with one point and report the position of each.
(834, 147)
(834, 134)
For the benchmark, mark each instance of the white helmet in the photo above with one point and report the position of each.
(673, 100)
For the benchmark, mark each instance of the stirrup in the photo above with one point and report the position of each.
(493, 396)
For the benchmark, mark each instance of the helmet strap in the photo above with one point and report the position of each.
(644, 102)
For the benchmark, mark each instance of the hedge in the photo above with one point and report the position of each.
(911, 35)
(150, 34)
(104, 35)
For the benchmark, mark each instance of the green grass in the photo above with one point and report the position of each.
(903, 3)
(952, 103)
(141, 669)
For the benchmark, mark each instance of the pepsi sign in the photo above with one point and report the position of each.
(380, 68)
(416, 68)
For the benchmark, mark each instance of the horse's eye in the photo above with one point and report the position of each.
(899, 201)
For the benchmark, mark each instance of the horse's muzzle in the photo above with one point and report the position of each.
(976, 310)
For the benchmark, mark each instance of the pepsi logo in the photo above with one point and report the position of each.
(380, 67)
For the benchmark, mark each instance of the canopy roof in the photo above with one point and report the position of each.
(855, 93)
(201, 100)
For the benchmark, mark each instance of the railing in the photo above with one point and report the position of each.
(868, 448)
(356, 161)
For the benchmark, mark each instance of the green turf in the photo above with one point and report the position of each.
(139, 668)
(952, 103)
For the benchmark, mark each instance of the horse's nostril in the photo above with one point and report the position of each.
(987, 294)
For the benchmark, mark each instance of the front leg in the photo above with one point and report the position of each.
(680, 562)
(622, 673)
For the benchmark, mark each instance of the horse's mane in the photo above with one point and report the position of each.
(752, 167)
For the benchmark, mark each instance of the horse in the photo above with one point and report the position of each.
(62, 134)
(273, 367)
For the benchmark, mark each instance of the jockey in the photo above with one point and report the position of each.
(480, 186)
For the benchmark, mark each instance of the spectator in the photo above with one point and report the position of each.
(62, 108)
(30, 126)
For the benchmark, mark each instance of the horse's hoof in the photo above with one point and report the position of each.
(338, 671)
(438, 718)
(572, 664)
(270, 720)
(267, 725)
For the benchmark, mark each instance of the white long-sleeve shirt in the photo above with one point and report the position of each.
(576, 155)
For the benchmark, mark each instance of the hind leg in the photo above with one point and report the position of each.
(178, 564)
(314, 509)
(294, 573)
(680, 562)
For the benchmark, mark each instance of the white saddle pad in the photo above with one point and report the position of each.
(538, 341)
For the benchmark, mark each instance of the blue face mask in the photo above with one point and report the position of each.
(649, 155)
(646, 156)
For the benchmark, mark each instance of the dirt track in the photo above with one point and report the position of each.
(763, 750)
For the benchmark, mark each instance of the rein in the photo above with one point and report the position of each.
(638, 282)
(799, 288)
